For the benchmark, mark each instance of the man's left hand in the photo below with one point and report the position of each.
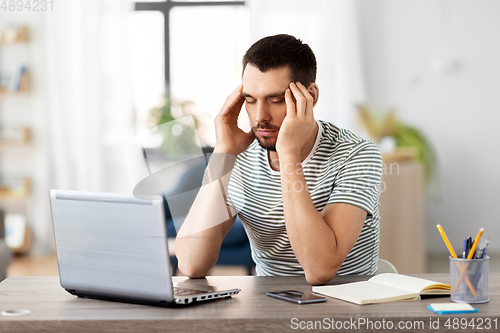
(295, 130)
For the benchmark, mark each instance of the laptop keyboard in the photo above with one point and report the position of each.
(186, 292)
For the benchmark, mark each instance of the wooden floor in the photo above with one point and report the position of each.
(47, 266)
(33, 266)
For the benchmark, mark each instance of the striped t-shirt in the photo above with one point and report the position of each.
(341, 168)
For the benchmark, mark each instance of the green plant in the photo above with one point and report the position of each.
(177, 128)
(409, 136)
(163, 113)
(406, 136)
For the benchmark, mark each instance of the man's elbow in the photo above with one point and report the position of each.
(317, 280)
(321, 276)
(188, 263)
(191, 271)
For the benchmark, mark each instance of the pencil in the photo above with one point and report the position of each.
(446, 241)
(454, 255)
(471, 254)
(474, 246)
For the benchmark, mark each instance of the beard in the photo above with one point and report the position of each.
(266, 143)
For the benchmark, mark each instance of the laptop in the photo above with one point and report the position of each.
(114, 247)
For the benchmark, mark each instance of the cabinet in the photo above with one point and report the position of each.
(402, 227)
(15, 133)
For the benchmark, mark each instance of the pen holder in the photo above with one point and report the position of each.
(469, 280)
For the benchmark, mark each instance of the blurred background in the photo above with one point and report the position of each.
(79, 79)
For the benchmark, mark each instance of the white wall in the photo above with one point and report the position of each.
(438, 63)
(329, 28)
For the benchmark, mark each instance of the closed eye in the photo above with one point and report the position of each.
(250, 101)
(278, 101)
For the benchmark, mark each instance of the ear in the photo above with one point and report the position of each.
(314, 91)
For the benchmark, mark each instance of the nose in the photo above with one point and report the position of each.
(262, 115)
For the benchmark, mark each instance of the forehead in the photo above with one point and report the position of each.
(259, 84)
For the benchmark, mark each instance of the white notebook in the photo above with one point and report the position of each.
(384, 288)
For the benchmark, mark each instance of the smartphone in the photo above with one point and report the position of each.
(297, 297)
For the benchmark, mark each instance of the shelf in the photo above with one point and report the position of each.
(22, 83)
(17, 233)
(8, 93)
(14, 36)
(14, 137)
(16, 191)
(13, 144)
(26, 245)
(22, 42)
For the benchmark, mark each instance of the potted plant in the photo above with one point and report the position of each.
(408, 139)
(176, 126)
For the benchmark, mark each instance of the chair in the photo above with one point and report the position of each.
(235, 249)
(384, 266)
(5, 252)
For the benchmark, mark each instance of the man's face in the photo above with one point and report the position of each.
(265, 102)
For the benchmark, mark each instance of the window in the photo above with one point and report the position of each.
(206, 45)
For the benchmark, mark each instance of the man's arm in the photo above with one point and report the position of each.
(320, 241)
(199, 239)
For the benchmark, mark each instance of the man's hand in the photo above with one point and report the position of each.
(230, 139)
(295, 131)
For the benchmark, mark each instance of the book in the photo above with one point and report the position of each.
(18, 80)
(384, 288)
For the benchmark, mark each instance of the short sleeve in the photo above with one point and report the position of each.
(358, 180)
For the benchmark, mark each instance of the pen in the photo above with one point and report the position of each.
(480, 254)
(469, 246)
(471, 254)
(479, 251)
(454, 255)
(464, 253)
(486, 244)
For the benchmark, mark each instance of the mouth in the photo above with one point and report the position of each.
(262, 132)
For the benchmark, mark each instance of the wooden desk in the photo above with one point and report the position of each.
(54, 310)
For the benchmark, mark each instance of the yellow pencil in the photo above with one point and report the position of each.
(469, 257)
(454, 255)
(474, 246)
(446, 241)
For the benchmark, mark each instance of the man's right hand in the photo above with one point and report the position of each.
(230, 139)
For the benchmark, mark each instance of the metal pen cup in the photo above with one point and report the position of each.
(469, 280)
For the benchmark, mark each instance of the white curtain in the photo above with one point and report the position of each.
(89, 107)
(330, 29)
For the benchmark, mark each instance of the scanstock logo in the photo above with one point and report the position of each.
(167, 162)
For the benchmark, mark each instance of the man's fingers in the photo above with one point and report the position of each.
(307, 96)
(290, 104)
(231, 100)
(300, 98)
(236, 109)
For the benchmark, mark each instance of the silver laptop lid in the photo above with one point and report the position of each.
(112, 244)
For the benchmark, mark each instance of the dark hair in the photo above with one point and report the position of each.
(280, 51)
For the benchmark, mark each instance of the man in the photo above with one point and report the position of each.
(306, 191)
